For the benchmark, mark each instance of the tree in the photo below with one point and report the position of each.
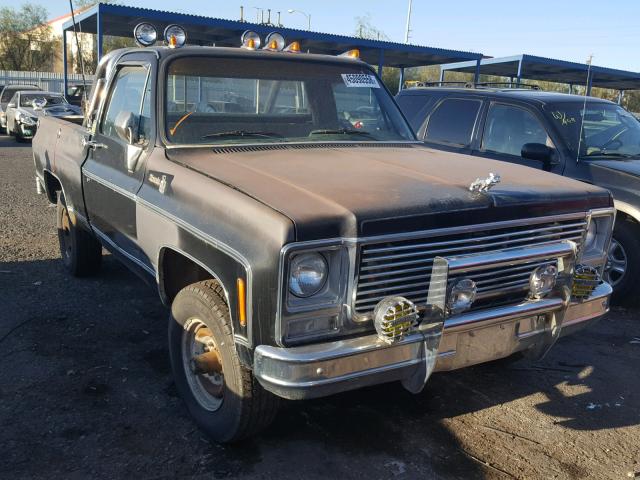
(366, 29)
(26, 41)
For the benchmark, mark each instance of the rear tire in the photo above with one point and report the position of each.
(80, 250)
(230, 404)
(623, 263)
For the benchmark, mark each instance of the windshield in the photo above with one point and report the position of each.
(608, 131)
(214, 101)
(27, 99)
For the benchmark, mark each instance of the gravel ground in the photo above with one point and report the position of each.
(86, 391)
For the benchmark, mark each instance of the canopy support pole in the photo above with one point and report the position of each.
(519, 75)
(442, 72)
(620, 96)
(589, 83)
(380, 62)
(65, 81)
(99, 33)
(476, 75)
(401, 80)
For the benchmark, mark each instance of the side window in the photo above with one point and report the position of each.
(508, 128)
(126, 95)
(452, 122)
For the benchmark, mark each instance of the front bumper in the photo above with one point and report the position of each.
(476, 337)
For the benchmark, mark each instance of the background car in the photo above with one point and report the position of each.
(26, 106)
(549, 131)
(5, 96)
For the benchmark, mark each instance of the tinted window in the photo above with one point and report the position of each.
(126, 96)
(452, 122)
(27, 99)
(507, 129)
(415, 107)
(8, 92)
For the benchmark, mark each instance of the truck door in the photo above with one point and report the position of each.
(111, 181)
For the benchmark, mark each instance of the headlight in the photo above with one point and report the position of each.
(27, 120)
(308, 274)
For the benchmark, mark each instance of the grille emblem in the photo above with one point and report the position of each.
(484, 184)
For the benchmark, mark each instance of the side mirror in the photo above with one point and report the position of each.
(11, 105)
(126, 125)
(539, 152)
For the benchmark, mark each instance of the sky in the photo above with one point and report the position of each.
(564, 29)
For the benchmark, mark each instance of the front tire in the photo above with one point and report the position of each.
(622, 270)
(221, 394)
(81, 252)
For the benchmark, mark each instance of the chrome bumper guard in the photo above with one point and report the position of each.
(440, 343)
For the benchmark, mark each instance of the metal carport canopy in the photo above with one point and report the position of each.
(120, 20)
(552, 70)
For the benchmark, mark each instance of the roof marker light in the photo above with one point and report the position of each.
(175, 36)
(274, 42)
(354, 53)
(293, 47)
(250, 40)
(145, 34)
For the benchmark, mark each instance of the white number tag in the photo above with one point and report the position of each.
(360, 80)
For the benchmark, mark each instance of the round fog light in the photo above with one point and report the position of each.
(175, 36)
(393, 317)
(462, 295)
(145, 34)
(542, 281)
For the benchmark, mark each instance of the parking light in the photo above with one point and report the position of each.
(293, 47)
(353, 53)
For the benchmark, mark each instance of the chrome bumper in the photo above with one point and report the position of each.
(323, 369)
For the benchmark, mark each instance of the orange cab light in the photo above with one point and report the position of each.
(273, 45)
(354, 53)
(173, 41)
(251, 43)
(293, 47)
(242, 302)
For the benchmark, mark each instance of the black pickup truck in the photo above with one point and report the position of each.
(545, 130)
(305, 241)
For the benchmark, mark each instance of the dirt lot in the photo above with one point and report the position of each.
(86, 391)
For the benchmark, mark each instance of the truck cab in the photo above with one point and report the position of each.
(305, 242)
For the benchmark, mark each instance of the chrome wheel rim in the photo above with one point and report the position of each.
(206, 387)
(616, 266)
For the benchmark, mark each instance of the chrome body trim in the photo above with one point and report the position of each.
(323, 369)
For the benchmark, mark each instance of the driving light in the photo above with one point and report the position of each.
(542, 281)
(394, 317)
(175, 36)
(250, 40)
(585, 280)
(145, 34)
(308, 274)
(461, 296)
(274, 42)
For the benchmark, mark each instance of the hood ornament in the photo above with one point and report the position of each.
(482, 185)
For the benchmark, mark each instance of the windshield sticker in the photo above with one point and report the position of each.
(360, 80)
(562, 117)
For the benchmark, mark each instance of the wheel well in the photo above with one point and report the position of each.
(52, 186)
(177, 271)
(622, 216)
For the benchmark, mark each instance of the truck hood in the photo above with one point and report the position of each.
(360, 190)
(631, 167)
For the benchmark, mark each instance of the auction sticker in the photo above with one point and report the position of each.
(360, 80)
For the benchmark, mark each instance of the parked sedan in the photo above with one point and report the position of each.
(6, 94)
(599, 144)
(26, 106)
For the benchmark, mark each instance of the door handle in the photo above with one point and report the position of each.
(86, 143)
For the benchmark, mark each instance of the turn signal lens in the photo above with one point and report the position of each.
(293, 47)
(242, 302)
(542, 281)
(275, 42)
(462, 295)
(250, 40)
(354, 53)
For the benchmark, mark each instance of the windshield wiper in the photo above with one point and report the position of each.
(340, 131)
(242, 133)
(610, 155)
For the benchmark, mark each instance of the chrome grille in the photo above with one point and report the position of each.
(403, 266)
